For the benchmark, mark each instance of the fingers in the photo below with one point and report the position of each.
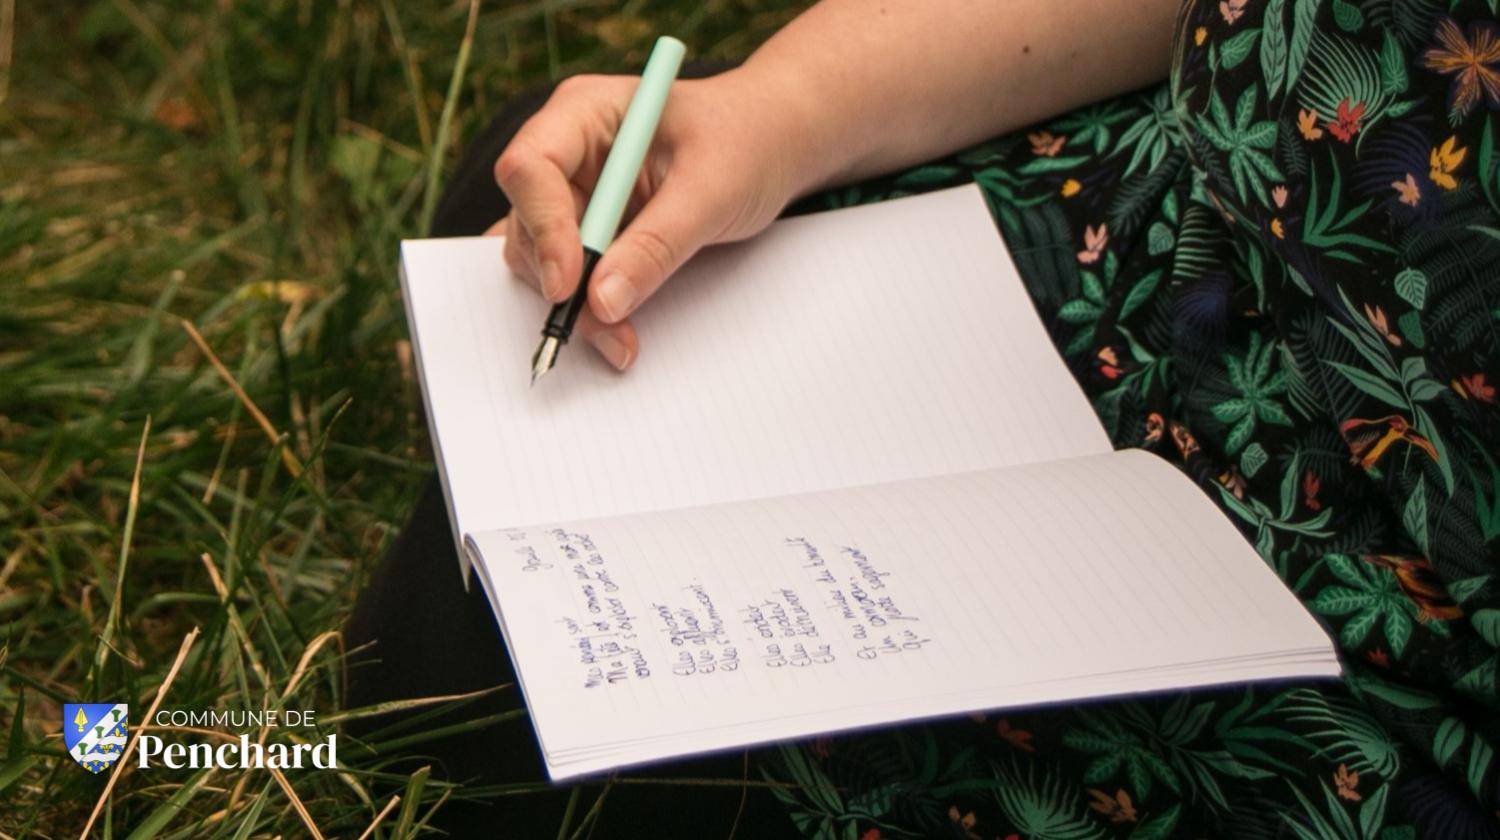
(540, 170)
(535, 172)
(518, 251)
(617, 343)
(543, 208)
(520, 255)
(677, 221)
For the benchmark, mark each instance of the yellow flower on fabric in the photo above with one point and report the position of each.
(1444, 161)
(1307, 123)
(1278, 229)
(1200, 35)
(1071, 187)
(1347, 782)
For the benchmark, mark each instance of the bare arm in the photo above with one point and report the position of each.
(937, 75)
(850, 89)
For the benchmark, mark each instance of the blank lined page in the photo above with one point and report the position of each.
(859, 346)
(649, 636)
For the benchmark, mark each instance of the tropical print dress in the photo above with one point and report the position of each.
(1280, 271)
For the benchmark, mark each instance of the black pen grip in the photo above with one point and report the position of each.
(564, 315)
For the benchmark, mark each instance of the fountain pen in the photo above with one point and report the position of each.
(601, 219)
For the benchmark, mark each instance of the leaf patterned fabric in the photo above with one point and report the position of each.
(1280, 271)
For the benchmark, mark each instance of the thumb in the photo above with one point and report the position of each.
(670, 228)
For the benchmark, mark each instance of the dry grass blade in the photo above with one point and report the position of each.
(291, 794)
(391, 706)
(293, 466)
(235, 624)
(307, 655)
(384, 812)
(306, 659)
(124, 760)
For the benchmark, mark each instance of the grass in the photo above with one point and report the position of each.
(209, 421)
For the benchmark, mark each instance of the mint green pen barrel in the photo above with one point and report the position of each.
(607, 204)
(616, 180)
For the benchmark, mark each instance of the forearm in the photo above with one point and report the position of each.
(882, 84)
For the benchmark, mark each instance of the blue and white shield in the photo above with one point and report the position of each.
(95, 733)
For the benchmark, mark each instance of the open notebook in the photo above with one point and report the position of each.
(849, 482)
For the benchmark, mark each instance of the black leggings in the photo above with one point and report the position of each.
(419, 634)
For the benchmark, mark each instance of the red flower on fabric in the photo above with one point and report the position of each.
(1310, 486)
(1109, 364)
(1155, 425)
(1477, 387)
(1018, 738)
(1346, 123)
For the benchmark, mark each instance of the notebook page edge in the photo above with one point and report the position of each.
(466, 560)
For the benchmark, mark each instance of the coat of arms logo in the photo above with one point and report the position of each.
(95, 733)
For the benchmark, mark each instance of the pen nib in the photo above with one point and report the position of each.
(546, 356)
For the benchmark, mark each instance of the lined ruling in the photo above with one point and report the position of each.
(848, 483)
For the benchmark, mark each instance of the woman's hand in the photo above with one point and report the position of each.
(723, 164)
(850, 89)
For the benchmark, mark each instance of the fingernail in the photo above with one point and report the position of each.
(612, 349)
(616, 295)
(552, 280)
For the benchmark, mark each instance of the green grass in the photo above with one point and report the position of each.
(248, 168)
